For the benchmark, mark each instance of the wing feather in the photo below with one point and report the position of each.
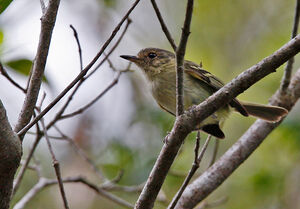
(214, 83)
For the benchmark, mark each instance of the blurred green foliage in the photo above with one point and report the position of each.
(4, 4)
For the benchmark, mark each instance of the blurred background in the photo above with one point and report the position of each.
(123, 131)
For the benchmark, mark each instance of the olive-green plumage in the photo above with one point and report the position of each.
(198, 84)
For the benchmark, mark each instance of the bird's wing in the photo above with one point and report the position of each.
(214, 83)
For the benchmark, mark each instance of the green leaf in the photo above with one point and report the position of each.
(4, 4)
(23, 66)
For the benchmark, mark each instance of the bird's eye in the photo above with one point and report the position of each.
(152, 55)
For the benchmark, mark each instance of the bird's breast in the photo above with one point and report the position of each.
(164, 91)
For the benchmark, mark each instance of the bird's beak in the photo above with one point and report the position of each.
(130, 58)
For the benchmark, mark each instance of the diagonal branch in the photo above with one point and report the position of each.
(64, 107)
(47, 24)
(81, 74)
(86, 106)
(239, 152)
(163, 25)
(5, 74)
(44, 182)
(186, 122)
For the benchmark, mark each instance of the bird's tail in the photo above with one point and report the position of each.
(265, 112)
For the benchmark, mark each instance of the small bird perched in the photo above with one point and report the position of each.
(198, 84)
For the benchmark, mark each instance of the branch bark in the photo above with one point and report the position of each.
(47, 24)
(180, 52)
(10, 156)
(239, 152)
(186, 122)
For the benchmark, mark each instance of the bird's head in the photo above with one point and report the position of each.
(153, 60)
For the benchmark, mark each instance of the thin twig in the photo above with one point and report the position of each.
(5, 74)
(82, 109)
(112, 49)
(289, 65)
(80, 152)
(113, 181)
(50, 137)
(193, 170)
(197, 146)
(55, 165)
(180, 52)
(85, 107)
(109, 185)
(78, 45)
(63, 108)
(106, 194)
(44, 182)
(163, 25)
(80, 76)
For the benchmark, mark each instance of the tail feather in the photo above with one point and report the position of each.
(265, 112)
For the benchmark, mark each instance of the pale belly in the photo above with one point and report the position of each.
(164, 93)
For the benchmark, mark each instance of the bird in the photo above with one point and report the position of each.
(158, 66)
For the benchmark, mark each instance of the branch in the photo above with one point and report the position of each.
(58, 115)
(47, 24)
(239, 152)
(78, 45)
(163, 25)
(289, 66)
(5, 74)
(180, 51)
(80, 152)
(24, 166)
(112, 49)
(43, 183)
(10, 156)
(81, 74)
(193, 170)
(82, 109)
(56, 166)
(186, 122)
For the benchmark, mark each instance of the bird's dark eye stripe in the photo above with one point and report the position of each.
(152, 55)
